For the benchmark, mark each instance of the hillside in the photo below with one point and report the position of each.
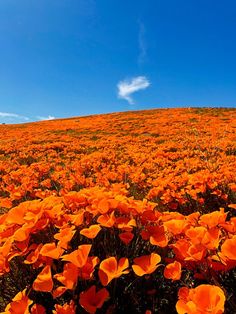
(161, 154)
(131, 191)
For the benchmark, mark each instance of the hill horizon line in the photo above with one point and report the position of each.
(121, 112)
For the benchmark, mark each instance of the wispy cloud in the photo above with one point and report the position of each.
(142, 43)
(127, 87)
(13, 116)
(49, 117)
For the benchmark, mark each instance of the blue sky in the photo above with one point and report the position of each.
(63, 58)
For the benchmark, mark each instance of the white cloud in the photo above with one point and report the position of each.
(7, 115)
(13, 115)
(142, 43)
(127, 87)
(49, 117)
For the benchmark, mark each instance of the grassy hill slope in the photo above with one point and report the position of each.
(119, 213)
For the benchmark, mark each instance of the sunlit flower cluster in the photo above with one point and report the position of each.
(110, 212)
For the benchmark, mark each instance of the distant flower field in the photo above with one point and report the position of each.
(129, 212)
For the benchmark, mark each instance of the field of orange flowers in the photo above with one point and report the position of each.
(129, 212)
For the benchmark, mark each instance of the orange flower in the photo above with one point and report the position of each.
(148, 215)
(158, 235)
(110, 269)
(213, 219)
(107, 220)
(19, 304)
(5, 202)
(146, 264)
(232, 206)
(16, 214)
(181, 248)
(126, 237)
(77, 219)
(230, 225)
(44, 282)
(20, 248)
(91, 300)
(22, 233)
(69, 275)
(203, 299)
(91, 232)
(103, 206)
(59, 291)
(64, 236)
(212, 239)
(196, 234)
(173, 271)
(78, 257)
(34, 254)
(37, 309)
(125, 223)
(64, 309)
(196, 252)
(176, 226)
(74, 200)
(51, 250)
(86, 272)
(228, 248)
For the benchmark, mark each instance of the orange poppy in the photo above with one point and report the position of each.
(196, 252)
(213, 219)
(78, 219)
(69, 275)
(232, 206)
(196, 234)
(158, 235)
(41, 224)
(74, 200)
(146, 264)
(16, 214)
(20, 248)
(91, 232)
(78, 257)
(180, 248)
(126, 237)
(173, 271)
(212, 238)
(51, 250)
(33, 256)
(176, 226)
(148, 216)
(230, 225)
(5, 202)
(64, 236)
(125, 223)
(202, 299)
(193, 218)
(91, 300)
(65, 308)
(19, 304)
(228, 248)
(110, 269)
(44, 282)
(22, 233)
(59, 291)
(86, 272)
(103, 206)
(107, 220)
(37, 309)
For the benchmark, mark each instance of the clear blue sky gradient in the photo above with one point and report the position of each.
(65, 57)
